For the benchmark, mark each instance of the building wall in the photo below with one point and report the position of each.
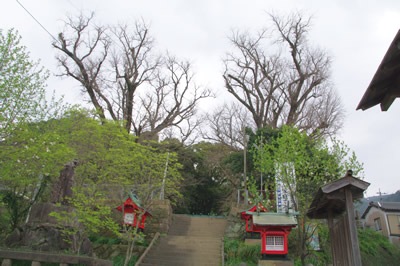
(373, 214)
(394, 227)
(390, 223)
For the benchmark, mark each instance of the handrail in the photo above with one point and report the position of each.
(41, 256)
(156, 236)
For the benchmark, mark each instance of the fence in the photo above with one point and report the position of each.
(43, 257)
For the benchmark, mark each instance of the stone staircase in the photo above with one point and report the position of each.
(191, 241)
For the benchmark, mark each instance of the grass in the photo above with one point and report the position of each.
(236, 252)
(376, 249)
(119, 261)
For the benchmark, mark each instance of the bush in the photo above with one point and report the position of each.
(376, 249)
(236, 252)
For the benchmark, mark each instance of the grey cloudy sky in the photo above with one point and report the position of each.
(356, 33)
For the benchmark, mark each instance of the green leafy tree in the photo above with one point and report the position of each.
(303, 164)
(22, 86)
(110, 165)
(30, 157)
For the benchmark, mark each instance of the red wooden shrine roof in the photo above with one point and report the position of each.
(131, 204)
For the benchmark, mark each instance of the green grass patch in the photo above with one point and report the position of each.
(236, 252)
(376, 249)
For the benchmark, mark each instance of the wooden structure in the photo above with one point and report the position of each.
(247, 216)
(37, 257)
(273, 229)
(134, 215)
(332, 201)
(385, 85)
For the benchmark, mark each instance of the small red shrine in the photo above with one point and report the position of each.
(132, 211)
(273, 228)
(247, 215)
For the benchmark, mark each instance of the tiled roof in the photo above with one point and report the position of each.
(385, 206)
(274, 219)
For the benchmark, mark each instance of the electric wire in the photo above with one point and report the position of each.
(37, 21)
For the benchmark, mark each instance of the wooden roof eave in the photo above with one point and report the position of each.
(384, 87)
(331, 197)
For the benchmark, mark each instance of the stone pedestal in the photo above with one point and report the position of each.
(251, 241)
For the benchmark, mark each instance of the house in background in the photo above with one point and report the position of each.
(384, 217)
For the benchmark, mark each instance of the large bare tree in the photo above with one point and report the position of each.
(281, 79)
(226, 125)
(124, 78)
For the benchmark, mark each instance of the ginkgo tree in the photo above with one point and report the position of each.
(302, 164)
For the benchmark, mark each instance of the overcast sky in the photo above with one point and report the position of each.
(355, 33)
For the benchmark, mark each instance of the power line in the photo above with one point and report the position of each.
(37, 21)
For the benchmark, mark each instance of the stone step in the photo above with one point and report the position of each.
(180, 252)
(197, 233)
(184, 253)
(191, 240)
(163, 263)
(183, 260)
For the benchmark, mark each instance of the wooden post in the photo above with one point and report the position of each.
(355, 249)
(333, 242)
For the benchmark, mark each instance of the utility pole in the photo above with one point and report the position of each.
(380, 194)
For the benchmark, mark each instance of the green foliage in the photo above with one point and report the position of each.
(119, 260)
(28, 158)
(320, 257)
(236, 252)
(303, 164)
(204, 186)
(111, 164)
(31, 157)
(376, 249)
(22, 86)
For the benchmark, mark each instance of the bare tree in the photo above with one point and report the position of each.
(83, 57)
(125, 79)
(226, 123)
(280, 79)
(173, 100)
(134, 65)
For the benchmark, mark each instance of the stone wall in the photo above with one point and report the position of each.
(42, 232)
(161, 219)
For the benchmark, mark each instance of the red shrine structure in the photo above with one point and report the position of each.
(247, 216)
(132, 212)
(273, 228)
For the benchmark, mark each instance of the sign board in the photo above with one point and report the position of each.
(285, 175)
